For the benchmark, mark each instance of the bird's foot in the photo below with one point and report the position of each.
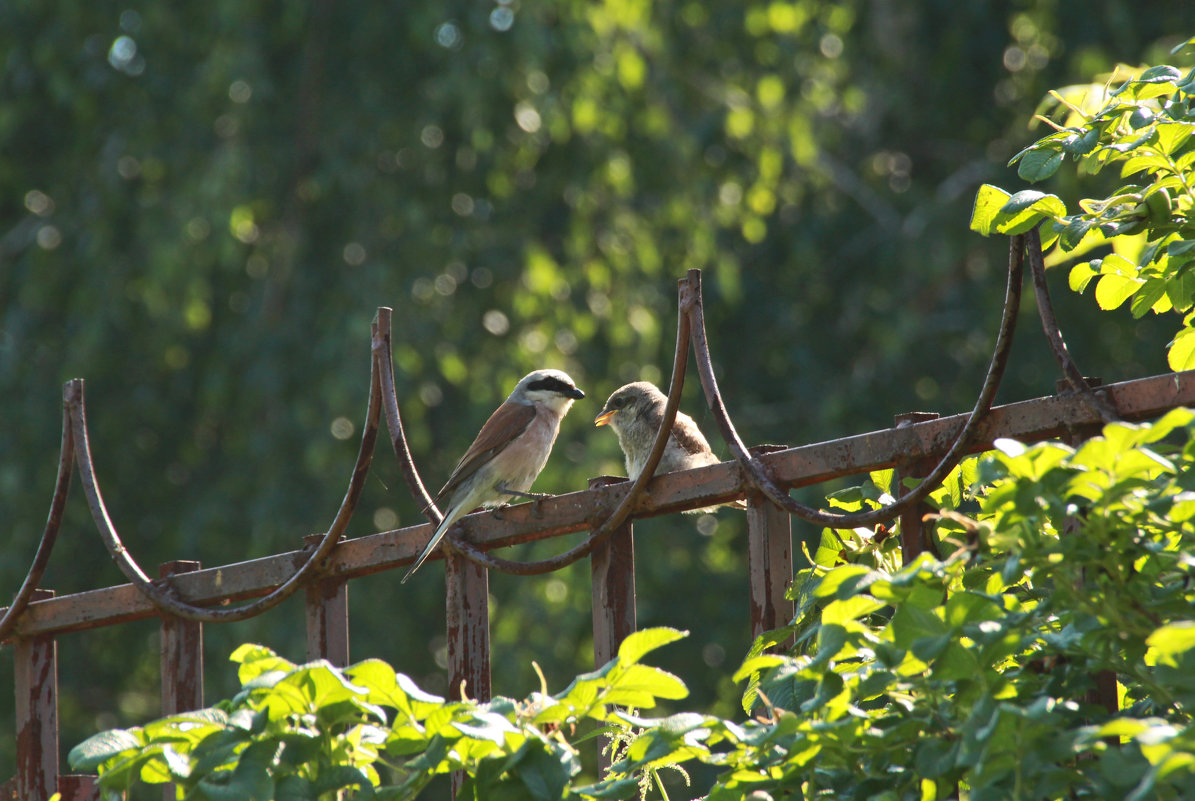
(536, 499)
(497, 512)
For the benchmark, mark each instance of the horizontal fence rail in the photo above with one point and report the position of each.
(1028, 421)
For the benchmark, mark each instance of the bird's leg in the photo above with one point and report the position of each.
(536, 498)
(496, 511)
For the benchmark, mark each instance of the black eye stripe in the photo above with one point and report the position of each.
(551, 383)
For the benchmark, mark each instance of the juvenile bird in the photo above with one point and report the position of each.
(509, 451)
(635, 412)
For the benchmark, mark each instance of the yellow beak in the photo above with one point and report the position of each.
(604, 417)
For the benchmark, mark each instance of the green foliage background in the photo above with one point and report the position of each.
(202, 206)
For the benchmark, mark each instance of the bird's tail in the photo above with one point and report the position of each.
(437, 535)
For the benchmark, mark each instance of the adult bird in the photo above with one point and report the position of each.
(508, 453)
(635, 412)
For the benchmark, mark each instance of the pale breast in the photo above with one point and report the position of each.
(521, 462)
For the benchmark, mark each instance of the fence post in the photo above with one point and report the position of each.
(612, 572)
(913, 539)
(36, 683)
(327, 608)
(770, 564)
(468, 617)
(182, 653)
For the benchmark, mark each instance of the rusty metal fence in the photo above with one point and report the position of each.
(185, 596)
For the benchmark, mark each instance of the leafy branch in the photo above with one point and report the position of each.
(1143, 127)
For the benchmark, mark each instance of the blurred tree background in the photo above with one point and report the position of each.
(202, 205)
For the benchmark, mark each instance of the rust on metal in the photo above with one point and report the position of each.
(913, 536)
(612, 575)
(36, 685)
(182, 652)
(468, 618)
(62, 485)
(770, 564)
(78, 787)
(327, 612)
(612, 570)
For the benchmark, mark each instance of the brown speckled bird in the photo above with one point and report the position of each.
(635, 412)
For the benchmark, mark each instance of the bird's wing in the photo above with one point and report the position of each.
(507, 422)
(688, 436)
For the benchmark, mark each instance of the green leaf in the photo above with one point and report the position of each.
(1112, 290)
(294, 788)
(758, 663)
(1180, 353)
(1163, 73)
(1171, 137)
(1181, 46)
(99, 748)
(1038, 165)
(1075, 231)
(1081, 275)
(639, 643)
(641, 685)
(911, 623)
(848, 609)
(611, 789)
(1032, 200)
(1147, 162)
(1026, 209)
(834, 580)
(1180, 288)
(486, 726)
(340, 776)
(1151, 294)
(988, 202)
(257, 660)
(1170, 640)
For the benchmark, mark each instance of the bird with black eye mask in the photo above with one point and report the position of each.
(509, 452)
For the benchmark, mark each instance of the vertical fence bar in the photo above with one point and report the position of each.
(770, 564)
(327, 607)
(79, 787)
(612, 572)
(182, 653)
(913, 538)
(468, 617)
(36, 685)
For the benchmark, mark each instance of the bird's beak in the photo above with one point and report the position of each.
(576, 394)
(604, 418)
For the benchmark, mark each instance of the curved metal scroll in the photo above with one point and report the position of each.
(1097, 401)
(758, 472)
(164, 597)
(66, 463)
